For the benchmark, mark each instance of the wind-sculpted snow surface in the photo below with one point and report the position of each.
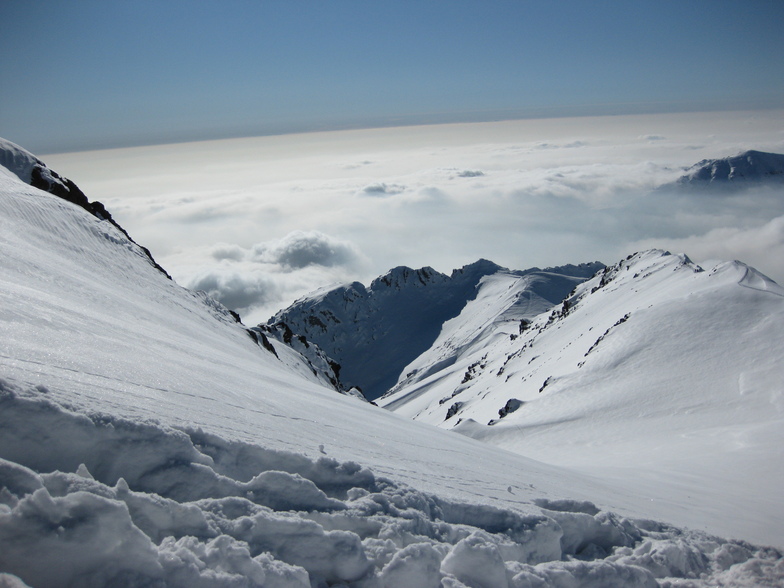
(121, 503)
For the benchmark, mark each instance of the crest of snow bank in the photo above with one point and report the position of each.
(110, 502)
(18, 161)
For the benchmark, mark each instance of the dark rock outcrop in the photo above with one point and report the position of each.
(35, 172)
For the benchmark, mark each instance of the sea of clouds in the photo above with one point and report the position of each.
(258, 222)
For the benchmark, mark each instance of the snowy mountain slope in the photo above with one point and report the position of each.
(374, 332)
(146, 439)
(657, 374)
(733, 173)
(319, 361)
(31, 170)
(502, 299)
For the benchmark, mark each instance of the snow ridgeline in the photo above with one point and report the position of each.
(374, 332)
(123, 503)
(732, 173)
(657, 376)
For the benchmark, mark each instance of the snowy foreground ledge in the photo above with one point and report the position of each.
(158, 506)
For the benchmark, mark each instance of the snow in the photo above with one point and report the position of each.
(147, 440)
(657, 375)
(182, 516)
(17, 161)
(733, 172)
(374, 332)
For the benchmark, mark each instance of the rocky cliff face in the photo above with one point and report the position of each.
(375, 332)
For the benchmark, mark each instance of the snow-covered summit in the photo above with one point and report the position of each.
(655, 370)
(374, 332)
(401, 277)
(736, 172)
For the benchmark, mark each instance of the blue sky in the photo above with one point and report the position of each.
(92, 74)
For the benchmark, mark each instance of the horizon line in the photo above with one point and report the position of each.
(426, 120)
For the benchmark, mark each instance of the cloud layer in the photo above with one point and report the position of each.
(301, 249)
(253, 280)
(259, 222)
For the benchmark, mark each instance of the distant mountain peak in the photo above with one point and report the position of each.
(401, 276)
(481, 266)
(738, 171)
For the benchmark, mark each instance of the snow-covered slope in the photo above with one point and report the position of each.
(658, 374)
(147, 440)
(732, 173)
(16, 161)
(320, 362)
(374, 332)
(504, 300)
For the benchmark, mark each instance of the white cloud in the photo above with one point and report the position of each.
(262, 221)
(300, 249)
(227, 251)
(238, 290)
(382, 189)
(571, 145)
(258, 280)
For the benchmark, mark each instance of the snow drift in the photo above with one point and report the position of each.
(167, 507)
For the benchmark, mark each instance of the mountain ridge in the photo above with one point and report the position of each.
(727, 174)
(642, 364)
(374, 332)
(31, 170)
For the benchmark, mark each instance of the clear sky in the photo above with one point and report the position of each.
(87, 74)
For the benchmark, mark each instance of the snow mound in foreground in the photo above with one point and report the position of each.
(124, 503)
